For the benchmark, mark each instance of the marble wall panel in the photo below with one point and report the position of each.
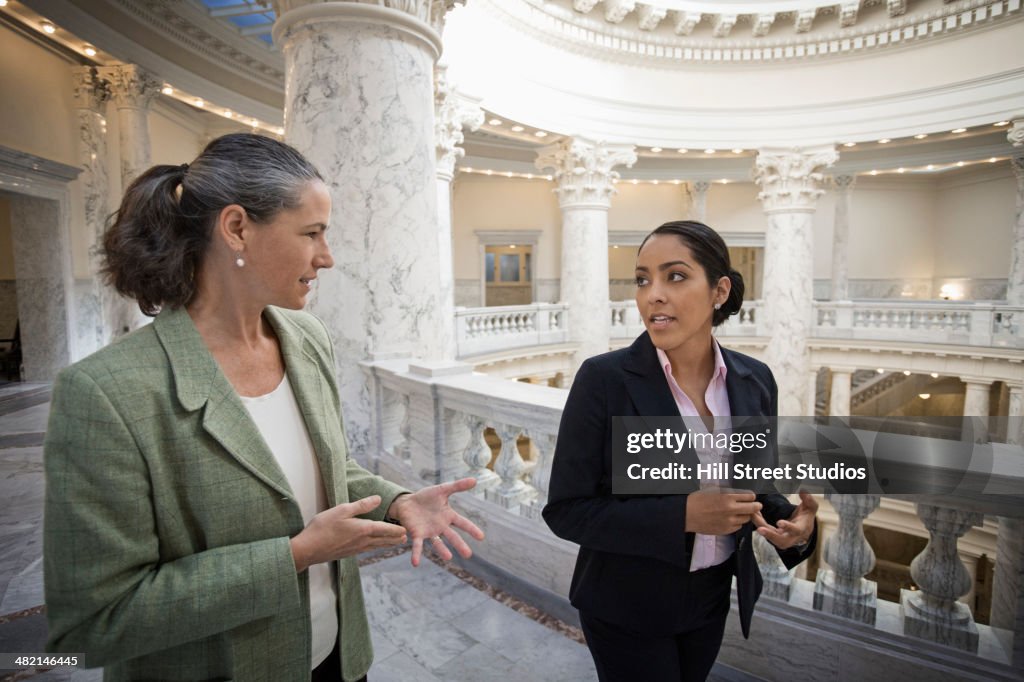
(467, 293)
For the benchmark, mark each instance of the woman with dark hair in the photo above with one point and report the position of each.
(203, 515)
(654, 573)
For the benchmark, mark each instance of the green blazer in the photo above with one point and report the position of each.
(167, 520)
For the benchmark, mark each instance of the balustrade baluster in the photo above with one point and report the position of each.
(933, 612)
(541, 473)
(778, 581)
(477, 455)
(843, 590)
(512, 491)
(403, 447)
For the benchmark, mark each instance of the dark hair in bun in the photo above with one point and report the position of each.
(710, 250)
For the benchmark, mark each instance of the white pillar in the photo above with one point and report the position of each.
(133, 90)
(790, 181)
(839, 402)
(700, 200)
(976, 397)
(584, 175)
(1015, 281)
(1008, 584)
(94, 324)
(452, 112)
(841, 237)
(359, 103)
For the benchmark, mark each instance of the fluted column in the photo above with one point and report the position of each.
(1015, 281)
(839, 399)
(933, 612)
(842, 590)
(585, 177)
(95, 322)
(976, 406)
(700, 200)
(841, 237)
(452, 114)
(359, 103)
(132, 90)
(790, 181)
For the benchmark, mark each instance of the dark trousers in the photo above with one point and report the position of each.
(330, 669)
(688, 653)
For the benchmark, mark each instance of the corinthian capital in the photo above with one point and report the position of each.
(130, 85)
(791, 179)
(583, 169)
(91, 91)
(452, 113)
(431, 12)
(1016, 134)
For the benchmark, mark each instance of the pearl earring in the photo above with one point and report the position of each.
(717, 305)
(239, 261)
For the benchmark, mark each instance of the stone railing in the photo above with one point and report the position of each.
(440, 421)
(971, 323)
(491, 330)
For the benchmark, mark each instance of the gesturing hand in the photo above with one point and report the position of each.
(797, 530)
(336, 532)
(425, 514)
(713, 512)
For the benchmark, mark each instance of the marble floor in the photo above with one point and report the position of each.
(429, 623)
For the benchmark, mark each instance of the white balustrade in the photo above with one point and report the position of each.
(495, 329)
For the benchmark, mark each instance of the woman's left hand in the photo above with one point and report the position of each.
(796, 531)
(426, 515)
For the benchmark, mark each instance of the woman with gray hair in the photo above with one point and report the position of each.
(203, 515)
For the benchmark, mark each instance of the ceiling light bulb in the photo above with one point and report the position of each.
(634, 181)
(993, 160)
(1003, 123)
(253, 122)
(920, 136)
(709, 151)
(849, 144)
(229, 114)
(931, 166)
(737, 151)
(960, 164)
(884, 140)
(901, 170)
(49, 28)
(517, 129)
(924, 396)
(682, 151)
(906, 372)
(874, 172)
(655, 149)
(200, 103)
(959, 130)
(880, 370)
(280, 131)
(495, 122)
(540, 133)
(3, 3)
(89, 50)
(935, 375)
(724, 181)
(655, 182)
(167, 90)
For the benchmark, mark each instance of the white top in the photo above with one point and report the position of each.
(280, 422)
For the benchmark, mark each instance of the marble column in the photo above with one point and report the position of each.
(133, 90)
(790, 181)
(95, 316)
(839, 400)
(700, 200)
(933, 612)
(841, 237)
(359, 103)
(976, 406)
(1015, 282)
(452, 113)
(842, 589)
(585, 177)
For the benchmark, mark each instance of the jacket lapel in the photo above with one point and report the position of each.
(311, 392)
(199, 382)
(744, 393)
(646, 382)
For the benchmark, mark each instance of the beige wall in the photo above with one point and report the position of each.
(975, 212)
(40, 119)
(642, 207)
(734, 207)
(481, 202)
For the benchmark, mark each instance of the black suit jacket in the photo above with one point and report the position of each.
(634, 559)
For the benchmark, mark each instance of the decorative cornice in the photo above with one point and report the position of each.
(130, 85)
(583, 170)
(452, 113)
(574, 29)
(791, 179)
(35, 167)
(91, 91)
(1016, 134)
(843, 183)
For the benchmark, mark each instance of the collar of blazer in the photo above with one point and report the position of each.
(199, 382)
(648, 388)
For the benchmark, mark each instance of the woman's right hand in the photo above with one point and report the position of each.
(716, 512)
(336, 533)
